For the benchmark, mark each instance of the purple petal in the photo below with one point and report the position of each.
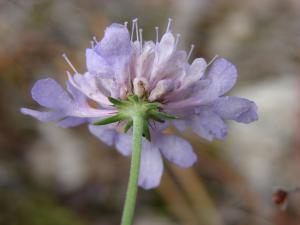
(223, 74)
(144, 61)
(177, 150)
(209, 125)
(88, 85)
(96, 64)
(47, 92)
(124, 144)
(151, 166)
(71, 122)
(43, 116)
(116, 42)
(77, 95)
(195, 72)
(180, 125)
(202, 93)
(238, 109)
(166, 46)
(105, 133)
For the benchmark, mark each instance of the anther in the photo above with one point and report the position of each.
(190, 52)
(126, 24)
(69, 63)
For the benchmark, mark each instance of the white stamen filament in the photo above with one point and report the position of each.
(190, 52)
(212, 60)
(177, 40)
(126, 24)
(141, 38)
(169, 25)
(92, 44)
(137, 30)
(133, 27)
(69, 63)
(156, 31)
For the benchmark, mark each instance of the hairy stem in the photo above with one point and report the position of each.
(132, 188)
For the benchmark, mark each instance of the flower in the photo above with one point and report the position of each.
(154, 71)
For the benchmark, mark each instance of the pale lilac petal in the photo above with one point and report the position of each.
(77, 95)
(144, 61)
(238, 109)
(96, 64)
(174, 67)
(43, 116)
(151, 162)
(151, 166)
(177, 150)
(71, 122)
(195, 72)
(47, 92)
(223, 74)
(180, 125)
(166, 47)
(88, 85)
(89, 112)
(209, 125)
(201, 93)
(105, 133)
(124, 144)
(115, 47)
(116, 42)
(159, 127)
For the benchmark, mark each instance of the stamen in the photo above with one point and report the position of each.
(95, 39)
(133, 27)
(92, 44)
(69, 74)
(156, 31)
(71, 79)
(141, 37)
(211, 61)
(69, 63)
(137, 30)
(177, 40)
(126, 24)
(169, 25)
(190, 52)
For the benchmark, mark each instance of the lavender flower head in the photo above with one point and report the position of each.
(121, 67)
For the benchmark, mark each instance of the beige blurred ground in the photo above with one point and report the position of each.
(50, 175)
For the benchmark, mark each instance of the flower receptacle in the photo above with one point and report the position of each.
(135, 106)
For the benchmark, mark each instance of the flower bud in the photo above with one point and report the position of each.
(140, 85)
(162, 87)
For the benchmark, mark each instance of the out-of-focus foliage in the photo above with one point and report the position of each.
(50, 175)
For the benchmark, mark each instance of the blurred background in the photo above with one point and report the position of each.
(55, 176)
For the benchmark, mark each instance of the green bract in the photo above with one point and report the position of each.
(135, 106)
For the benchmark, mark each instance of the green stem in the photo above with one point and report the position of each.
(132, 188)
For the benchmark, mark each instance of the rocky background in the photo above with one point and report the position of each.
(55, 176)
